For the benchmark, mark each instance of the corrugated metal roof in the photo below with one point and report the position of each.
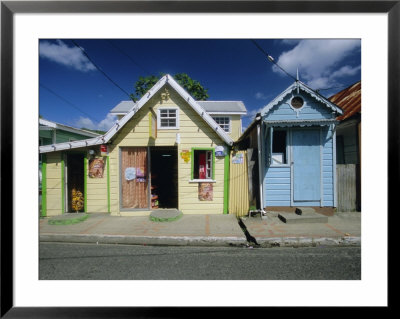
(223, 106)
(349, 100)
(123, 107)
(209, 106)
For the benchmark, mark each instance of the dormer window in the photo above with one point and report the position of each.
(168, 118)
(224, 122)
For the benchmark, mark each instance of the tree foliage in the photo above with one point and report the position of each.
(193, 87)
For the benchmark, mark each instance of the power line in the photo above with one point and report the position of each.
(98, 68)
(127, 55)
(331, 88)
(66, 101)
(271, 59)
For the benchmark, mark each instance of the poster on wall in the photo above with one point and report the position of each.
(237, 158)
(185, 154)
(96, 168)
(130, 173)
(205, 191)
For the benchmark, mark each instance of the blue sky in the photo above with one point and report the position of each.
(74, 92)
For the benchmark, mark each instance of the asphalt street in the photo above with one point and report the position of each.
(63, 261)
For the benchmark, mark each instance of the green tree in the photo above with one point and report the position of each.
(193, 87)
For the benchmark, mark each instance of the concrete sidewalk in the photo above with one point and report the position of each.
(204, 230)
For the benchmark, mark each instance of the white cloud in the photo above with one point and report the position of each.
(262, 96)
(69, 56)
(317, 61)
(104, 125)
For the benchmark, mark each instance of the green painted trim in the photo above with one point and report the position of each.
(85, 174)
(203, 149)
(62, 185)
(226, 183)
(44, 186)
(191, 163)
(108, 184)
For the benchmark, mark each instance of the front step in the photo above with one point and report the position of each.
(165, 215)
(302, 215)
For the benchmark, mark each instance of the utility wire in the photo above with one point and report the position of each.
(66, 101)
(128, 56)
(271, 59)
(98, 68)
(331, 88)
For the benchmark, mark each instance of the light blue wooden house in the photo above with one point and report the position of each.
(299, 149)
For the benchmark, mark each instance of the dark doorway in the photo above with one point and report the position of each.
(75, 183)
(164, 177)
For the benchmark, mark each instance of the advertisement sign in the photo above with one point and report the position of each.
(237, 158)
(205, 191)
(103, 150)
(220, 151)
(96, 168)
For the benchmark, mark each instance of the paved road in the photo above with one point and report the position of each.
(88, 261)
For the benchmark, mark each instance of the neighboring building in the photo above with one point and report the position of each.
(295, 138)
(165, 152)
(348, 149)
(227, 114)
(52, 133)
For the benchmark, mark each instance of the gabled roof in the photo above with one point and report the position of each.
(297, 86)
(349, 100)
(103, 139)
(53, 125)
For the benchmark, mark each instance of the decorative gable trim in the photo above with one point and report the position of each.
(297, 86)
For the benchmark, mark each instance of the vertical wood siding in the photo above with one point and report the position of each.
(346, 187)
(239, 187)
(327, 168)
(134, 194)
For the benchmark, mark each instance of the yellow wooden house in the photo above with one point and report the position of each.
(165, 151)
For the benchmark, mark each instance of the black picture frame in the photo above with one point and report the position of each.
(9, 8)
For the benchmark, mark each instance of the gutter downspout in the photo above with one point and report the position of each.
(259, 146)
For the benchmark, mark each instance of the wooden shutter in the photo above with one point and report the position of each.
(134, 191)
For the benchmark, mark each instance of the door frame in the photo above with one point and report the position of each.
(64, 177)
(292, 181)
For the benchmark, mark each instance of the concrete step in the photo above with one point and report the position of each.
(302, 215)
(165, 215)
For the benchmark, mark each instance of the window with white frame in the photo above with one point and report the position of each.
(168, 118)
(224, 122)
(202, 164)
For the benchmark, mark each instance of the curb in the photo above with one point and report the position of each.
(145, 240)
(294, 242)
(309, 242)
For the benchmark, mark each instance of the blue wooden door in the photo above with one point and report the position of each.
(306, 165)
